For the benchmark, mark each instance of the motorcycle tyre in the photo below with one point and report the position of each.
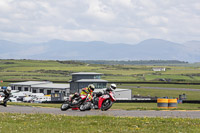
(84, 107)
(66, 107)
(106, 107)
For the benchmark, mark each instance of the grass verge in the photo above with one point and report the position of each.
(123, 106)
(33, 123)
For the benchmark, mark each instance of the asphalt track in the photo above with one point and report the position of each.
(111, 112)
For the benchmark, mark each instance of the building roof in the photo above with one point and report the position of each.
(52, 86)
(91, 80)
(86, 73)
(31, 83)
(116, 90)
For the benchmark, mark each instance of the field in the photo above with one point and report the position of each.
(60, 71)
(16, 70)
(139, 89)
(32, 123)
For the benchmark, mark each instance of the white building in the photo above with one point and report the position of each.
(120, 94)
(79, 81)
(157, 69)
(44, 87)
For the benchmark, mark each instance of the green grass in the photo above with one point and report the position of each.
(137, 89)
(191, 95)
(52, 70)
(187, 86)
(121, 106)
(32, 123)
(153, 106)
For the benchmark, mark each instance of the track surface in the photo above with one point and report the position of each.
(111, 112)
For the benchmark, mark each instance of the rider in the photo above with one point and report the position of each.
(112, 88)
(96, 99)
(7, 93)
(86, 91)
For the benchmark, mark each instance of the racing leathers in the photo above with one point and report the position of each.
(6, 96)
(85, 91)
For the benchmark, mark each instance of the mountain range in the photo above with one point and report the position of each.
(150, 49)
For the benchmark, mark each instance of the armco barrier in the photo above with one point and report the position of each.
(135, 101)
(191, 101)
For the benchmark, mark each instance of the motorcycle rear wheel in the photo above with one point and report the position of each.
(107, 104)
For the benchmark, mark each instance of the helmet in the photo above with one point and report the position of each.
(113, 87)
(91, 86)
(8, 89)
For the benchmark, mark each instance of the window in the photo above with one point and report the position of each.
(100, 85)
(56, 91)
(20, 88)
(41, 91)
(12, 87)
(26, 89)
(97, 77)
(34, 90)
(48, 92)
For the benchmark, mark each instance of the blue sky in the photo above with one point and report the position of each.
(112, 21)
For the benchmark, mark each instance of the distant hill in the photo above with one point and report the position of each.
(151, 49)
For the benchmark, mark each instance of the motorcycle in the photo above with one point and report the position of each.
(105, 100)
(3, 101)
(72, 102)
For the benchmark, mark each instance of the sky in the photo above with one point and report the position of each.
(112, 21)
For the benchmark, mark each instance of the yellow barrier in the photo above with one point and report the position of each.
(172, 103)
(162, 103)
(166, 103)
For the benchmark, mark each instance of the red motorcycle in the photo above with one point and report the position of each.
(77, 101)
(106, 100)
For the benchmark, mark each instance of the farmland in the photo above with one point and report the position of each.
(60, 71)
(16, 70)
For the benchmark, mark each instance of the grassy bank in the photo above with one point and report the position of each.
(33, 123)
(139, 89)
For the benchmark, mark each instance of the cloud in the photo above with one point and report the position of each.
(128, 21)
(4, 6)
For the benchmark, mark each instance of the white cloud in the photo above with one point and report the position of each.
(4, 6)
(156, 20)
(99, 11)
(128, 21)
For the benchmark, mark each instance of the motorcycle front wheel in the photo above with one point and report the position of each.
(107, 104)
(64, 106)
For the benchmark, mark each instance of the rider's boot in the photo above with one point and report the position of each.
(96, 101)
(5, 104)
(76, 102)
